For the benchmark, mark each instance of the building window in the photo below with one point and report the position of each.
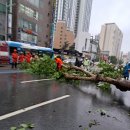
(46, 36)
(28, 11)
(27, 25)
(28, 37)
(48, 14)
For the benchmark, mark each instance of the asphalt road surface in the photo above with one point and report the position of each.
(51, 105)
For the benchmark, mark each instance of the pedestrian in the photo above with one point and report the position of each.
(21, 57)
(14, 59)
(59, 62)
(86, 64)
(125, 72)
(28, 57)
(77, 62)
(129, 70)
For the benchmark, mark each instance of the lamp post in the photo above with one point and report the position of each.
(6, 21)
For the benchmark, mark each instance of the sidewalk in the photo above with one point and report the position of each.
(4, 69)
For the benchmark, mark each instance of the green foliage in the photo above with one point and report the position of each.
(24, 65)
(43, 66)
(104, 86)
(109, 70)
(13, 128)
(46, 67)
(23, 127)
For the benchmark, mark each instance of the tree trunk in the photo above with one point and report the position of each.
(123, 85)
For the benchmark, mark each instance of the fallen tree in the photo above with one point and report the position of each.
(123, 85)
(47, 68)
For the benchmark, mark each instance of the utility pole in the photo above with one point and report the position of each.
(6, 18)
(6, 21)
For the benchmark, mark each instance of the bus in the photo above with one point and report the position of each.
(4, 53)
(9, 46)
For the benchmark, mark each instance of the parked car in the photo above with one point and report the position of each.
(70, 61)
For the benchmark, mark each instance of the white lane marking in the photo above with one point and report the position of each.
(35, 80)
(31, 107)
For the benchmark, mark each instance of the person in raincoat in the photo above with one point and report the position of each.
(125, 72)
(59, 62)
(14, 59)
(21, 57)
(28, 57)
(86, 64)
(129, 71)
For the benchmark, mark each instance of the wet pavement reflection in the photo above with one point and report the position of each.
(74, 113)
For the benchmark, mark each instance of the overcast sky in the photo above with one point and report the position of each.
(107, 11)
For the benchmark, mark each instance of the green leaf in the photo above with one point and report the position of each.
(22, 129)
(31, 126)
(24, 125)
(13, 128)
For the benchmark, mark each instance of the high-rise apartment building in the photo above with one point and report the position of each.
(84, 13)
(82, 41)
(76, 14)
(31, 21)
(111, 39)
(61, 10)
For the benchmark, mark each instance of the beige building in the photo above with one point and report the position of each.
(111, 39)
(62, 36)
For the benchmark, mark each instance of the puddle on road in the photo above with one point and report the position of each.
(114, 95)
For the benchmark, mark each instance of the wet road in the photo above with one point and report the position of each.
(73, 113)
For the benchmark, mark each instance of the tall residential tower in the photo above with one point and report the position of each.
(76, 14)
(111, 39)
(82, 25)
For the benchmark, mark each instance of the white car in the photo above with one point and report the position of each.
(70, 61)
